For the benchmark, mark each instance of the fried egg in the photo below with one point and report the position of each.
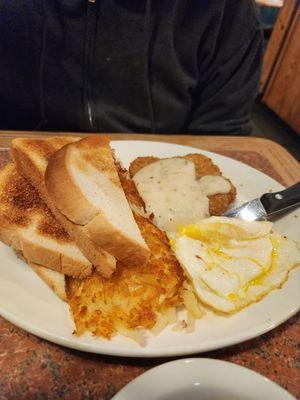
(233, 263)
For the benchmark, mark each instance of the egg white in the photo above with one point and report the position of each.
(233, 263)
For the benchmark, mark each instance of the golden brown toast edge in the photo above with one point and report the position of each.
(31, 163)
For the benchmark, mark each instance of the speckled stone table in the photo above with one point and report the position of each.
(32, 368)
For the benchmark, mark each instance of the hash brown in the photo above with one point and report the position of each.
(135, 296)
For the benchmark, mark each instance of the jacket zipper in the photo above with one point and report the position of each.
(88, 65)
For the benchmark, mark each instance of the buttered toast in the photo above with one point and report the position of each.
(27, 225)
(83, 183)
(31, 157)
(135, 296)
(55, 280)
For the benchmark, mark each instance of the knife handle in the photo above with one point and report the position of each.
(279, 201)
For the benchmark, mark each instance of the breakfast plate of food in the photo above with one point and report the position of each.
(121, 248)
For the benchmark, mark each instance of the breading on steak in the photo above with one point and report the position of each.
(218, 203)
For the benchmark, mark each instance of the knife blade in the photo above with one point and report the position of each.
(268, 205)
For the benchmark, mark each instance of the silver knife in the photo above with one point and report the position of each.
(268, 205)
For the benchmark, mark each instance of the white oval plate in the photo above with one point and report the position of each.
(28, 303)
(201, 378)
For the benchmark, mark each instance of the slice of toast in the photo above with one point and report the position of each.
(31, 157)
(55, 280)
(27, 225)
(83, 183)
(134, 297)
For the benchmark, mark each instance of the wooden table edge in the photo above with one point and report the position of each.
(281, 160)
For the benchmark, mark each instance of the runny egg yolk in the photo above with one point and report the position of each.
(217, 232)
(217, 240)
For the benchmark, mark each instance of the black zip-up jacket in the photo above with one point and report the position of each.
(129, 65)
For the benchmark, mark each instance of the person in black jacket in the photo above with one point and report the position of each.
(185, 66)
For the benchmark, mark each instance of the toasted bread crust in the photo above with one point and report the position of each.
(135, 295)
(54, 260)
(104, 262)
(61, 188)
(122, 246)
(131, 192)
(55, 280)
(218, 203)
(73, 203)
(9, 235)
(22, 209)
(20, 202)
(57, 284)
(89, 148)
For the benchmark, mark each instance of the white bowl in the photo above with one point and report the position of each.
(201, 379)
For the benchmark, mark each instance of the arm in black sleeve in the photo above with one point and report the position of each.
(228, 83)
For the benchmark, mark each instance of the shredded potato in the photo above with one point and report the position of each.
(135, 298)
(135, 334)
(161, 323)
(191, 303)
